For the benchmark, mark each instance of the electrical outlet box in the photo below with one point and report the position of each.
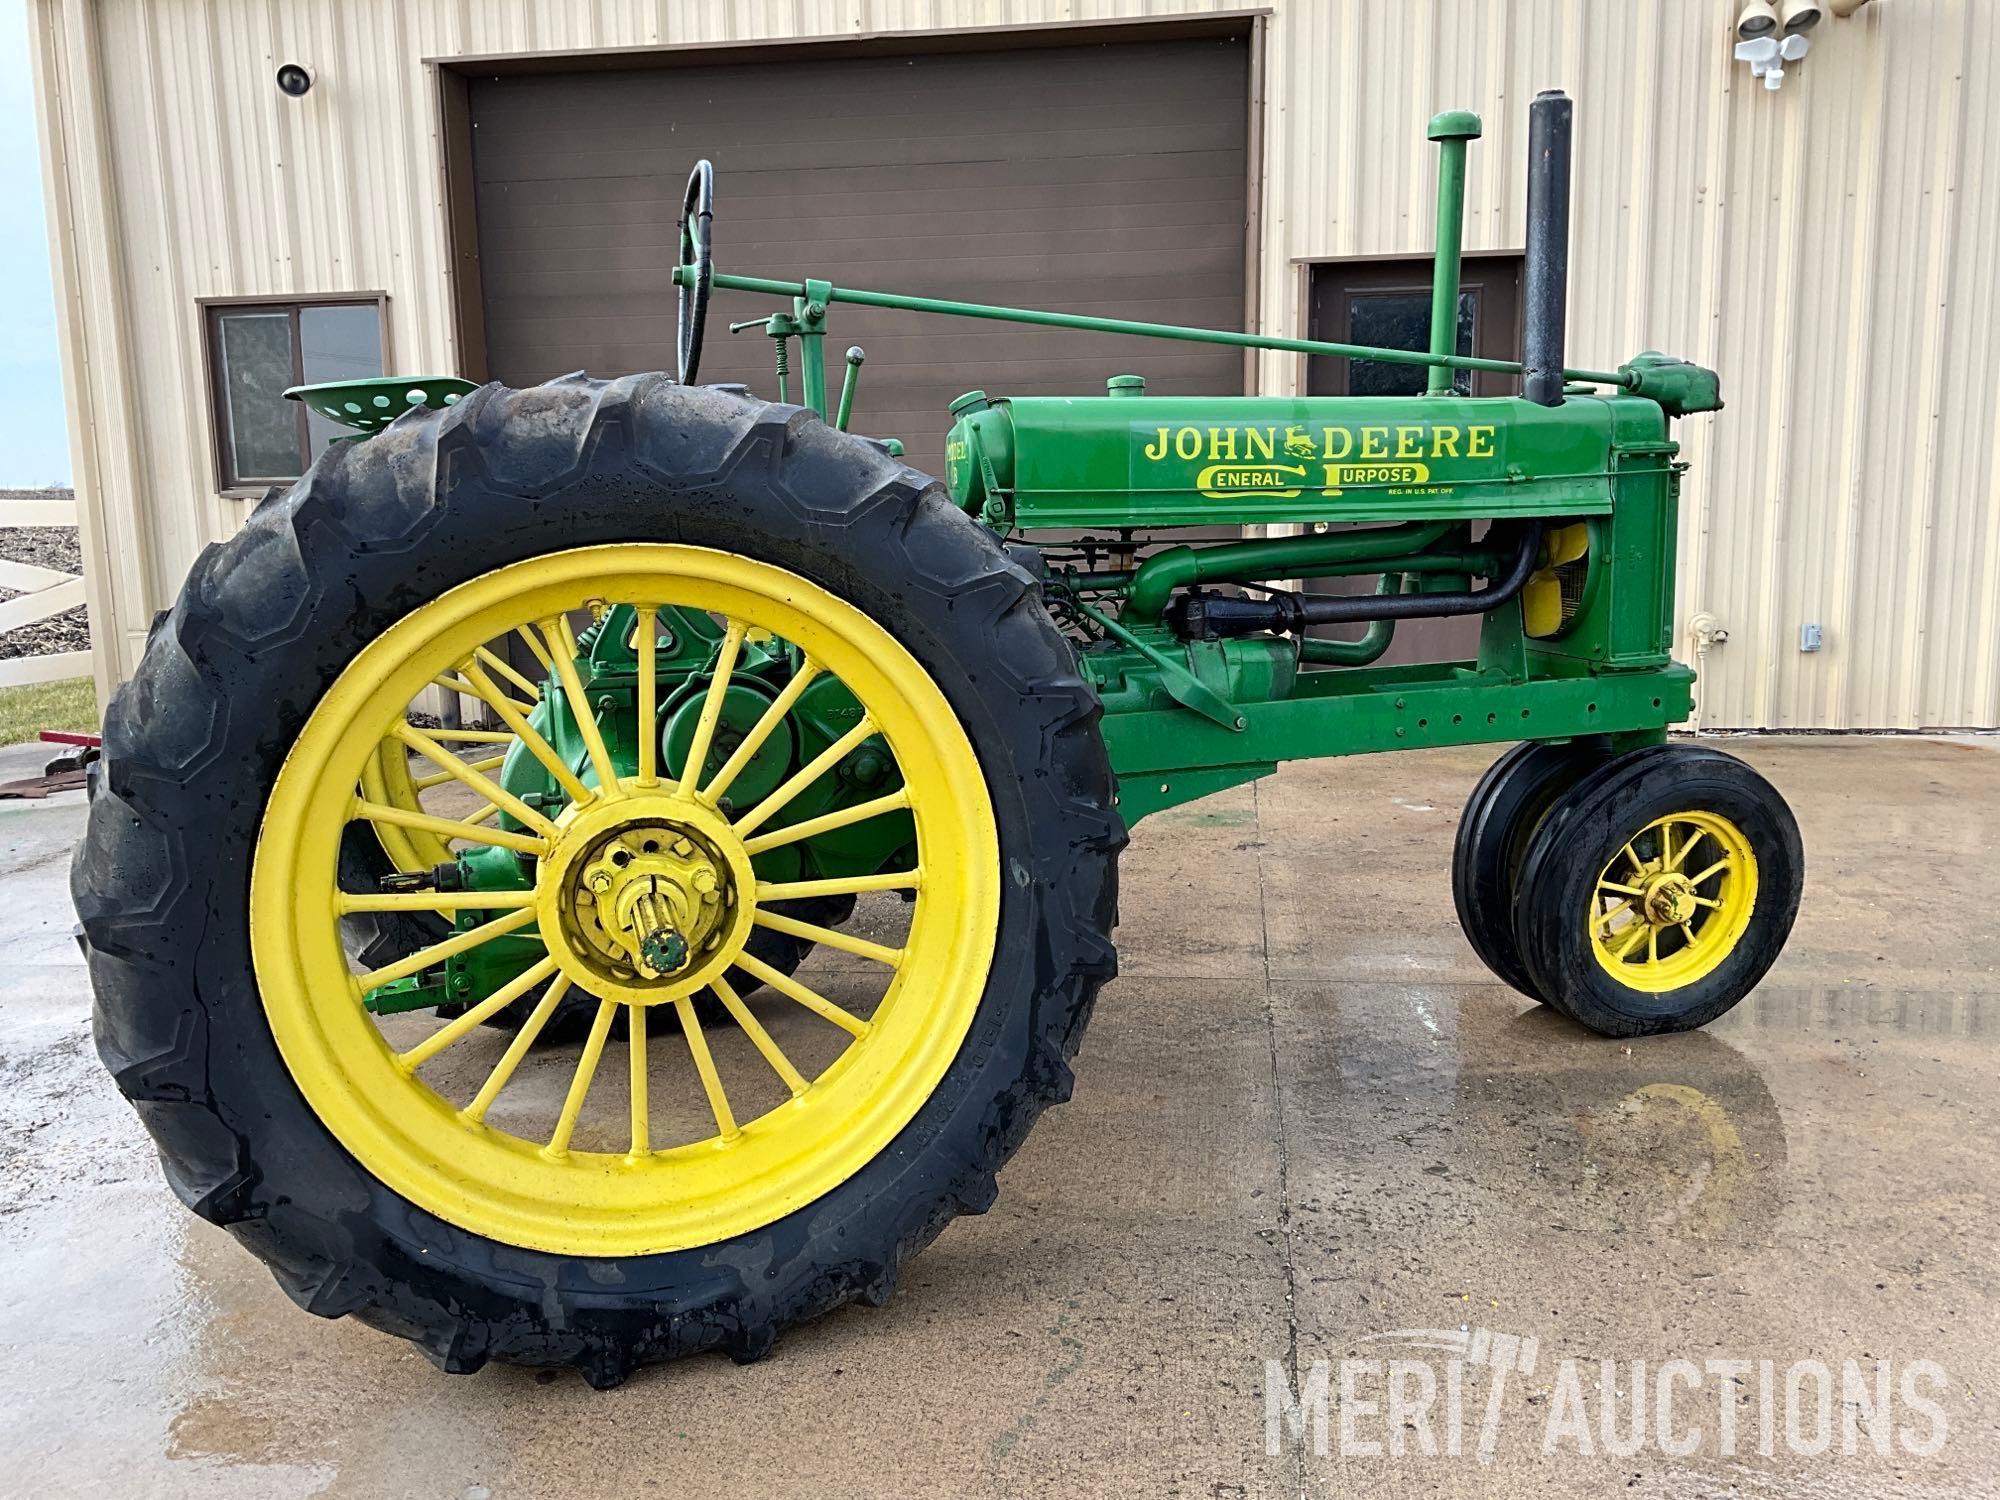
(1809, 637)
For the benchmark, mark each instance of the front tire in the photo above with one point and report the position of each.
(1500, 816)
(248, 668)
(1659, 891)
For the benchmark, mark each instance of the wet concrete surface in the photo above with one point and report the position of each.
(1308, 1126)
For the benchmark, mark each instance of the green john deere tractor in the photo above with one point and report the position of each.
(605, 871)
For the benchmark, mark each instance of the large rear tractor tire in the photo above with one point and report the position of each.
(706, 1189)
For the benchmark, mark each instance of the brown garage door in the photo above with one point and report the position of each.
(1106, 179)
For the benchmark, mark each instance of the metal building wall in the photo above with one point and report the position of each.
(1821, 246)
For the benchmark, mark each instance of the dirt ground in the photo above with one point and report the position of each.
(1308, 1126)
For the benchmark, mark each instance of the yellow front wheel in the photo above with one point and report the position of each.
(1658, 891)
(627, 1195)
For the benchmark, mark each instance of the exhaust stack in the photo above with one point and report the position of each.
(1546, 274)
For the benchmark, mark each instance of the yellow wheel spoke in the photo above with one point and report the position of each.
(759, 732)
(474, 736)
(791, 989)
(1680, 855)
(448, 828)
(359, 901)
(759, 1037)
(579, 1086)
(439, 778)
(646, 639)
(1652, 944)
(1704, 901)
(711, 1081)
(1639, 931)
(491, 696)
(1667, 860)
(1605, 919)
(475, 1112)
(450, 765)
(535, 645)
(1623, 890)
(506, 669)
(635, 1041)
(1638, 864)
(562, 645)
(829, 937)
(460, 1027)
(485, 814)
(538, 747)
(1714, 869)
(804, 777)
(844, 885)
(827, 822)
(1687, 931)
(449, 947)
(711, 706)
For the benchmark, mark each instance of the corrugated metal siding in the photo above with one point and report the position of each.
(1826, 247)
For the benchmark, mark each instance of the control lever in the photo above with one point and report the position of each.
(855, 355)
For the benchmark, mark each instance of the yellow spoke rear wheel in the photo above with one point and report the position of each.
(657, 869)
(488, 1183)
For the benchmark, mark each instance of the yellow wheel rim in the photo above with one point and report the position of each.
(637, 1194)
(1674, 902)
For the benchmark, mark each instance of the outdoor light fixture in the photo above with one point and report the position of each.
(295, 80)
(1767, 56)
(1757, 18)
(1845, 8)
(1800, 16)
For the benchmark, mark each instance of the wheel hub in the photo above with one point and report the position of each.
(650, 899)
(645, 898)
(1669, 899)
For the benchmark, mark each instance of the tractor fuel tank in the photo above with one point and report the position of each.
(1133, 460)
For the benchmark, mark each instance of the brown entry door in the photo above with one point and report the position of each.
(1388, 304)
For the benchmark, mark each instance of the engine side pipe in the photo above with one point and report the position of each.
(1371, 647)
(1271, 557)
(1289, 612)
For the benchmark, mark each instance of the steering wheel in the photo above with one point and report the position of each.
(697, 257)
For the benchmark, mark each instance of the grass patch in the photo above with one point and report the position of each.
(27, 711)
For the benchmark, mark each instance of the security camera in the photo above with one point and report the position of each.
(1757, 18)
(1800, 15)
(295, 80)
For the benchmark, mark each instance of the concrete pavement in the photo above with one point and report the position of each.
(1307, 1126)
